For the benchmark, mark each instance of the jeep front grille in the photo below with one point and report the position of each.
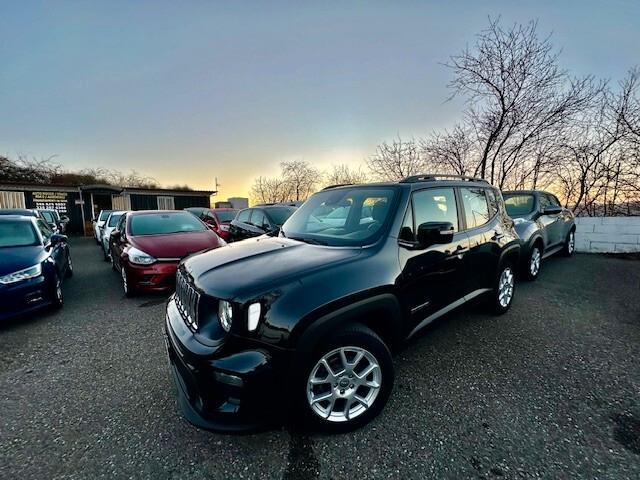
(187, 299)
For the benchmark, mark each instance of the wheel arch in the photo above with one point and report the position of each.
(381, 313)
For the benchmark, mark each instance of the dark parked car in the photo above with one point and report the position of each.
(33, 263)
(56, 221)
(146, 247)
(306, 321)
(543, 225)
(25, 212)
(218, 219)
(256, 221)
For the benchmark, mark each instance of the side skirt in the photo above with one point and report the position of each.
(447, 309)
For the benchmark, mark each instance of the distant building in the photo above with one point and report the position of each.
(222, 204)
(239, 202)
(81, 203)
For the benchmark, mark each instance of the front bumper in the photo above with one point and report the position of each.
(231, 387)
(157, 277)
(24, 297)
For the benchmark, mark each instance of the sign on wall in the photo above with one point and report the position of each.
(51, 201)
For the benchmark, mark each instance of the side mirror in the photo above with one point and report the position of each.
(552, 210)
(57, 238)
(435, 233)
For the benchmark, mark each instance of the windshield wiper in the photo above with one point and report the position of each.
(310, 241)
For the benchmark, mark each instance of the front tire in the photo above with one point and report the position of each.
(126, 287)
(532, 267)
(69, 272)
(503, 290)
(347, 382)
(58, 298)
(570, 244)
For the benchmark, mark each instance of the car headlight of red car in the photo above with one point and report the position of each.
(139, 257)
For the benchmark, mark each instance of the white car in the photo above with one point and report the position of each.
(98, 223)
(105, 231)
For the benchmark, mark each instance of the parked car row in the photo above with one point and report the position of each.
(305, 320)
(56, 222)
(306, 303)
(34, 261)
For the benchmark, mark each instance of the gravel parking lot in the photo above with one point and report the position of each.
(550, 390)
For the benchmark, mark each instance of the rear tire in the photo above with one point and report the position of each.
(569, 244)
(501, 296)
(353, 389)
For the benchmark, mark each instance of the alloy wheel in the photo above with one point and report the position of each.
(572, 242)
(534, 262)
(505, 287)
(344, 384)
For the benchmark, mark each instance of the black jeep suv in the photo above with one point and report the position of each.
(306, 321)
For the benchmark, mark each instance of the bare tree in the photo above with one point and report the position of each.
(270, 190)
(396, 160)
(515, 92)
(343, 174)
(450, 152)
(301, 177)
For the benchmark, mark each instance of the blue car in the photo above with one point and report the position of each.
(33, 263)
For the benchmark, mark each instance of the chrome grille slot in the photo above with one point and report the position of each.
(187, 300)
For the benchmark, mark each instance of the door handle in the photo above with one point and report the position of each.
(460, 250)
(497, 236)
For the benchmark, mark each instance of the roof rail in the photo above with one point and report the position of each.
(430, 177)
(337, 185)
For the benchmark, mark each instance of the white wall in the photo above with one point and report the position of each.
(608, 234)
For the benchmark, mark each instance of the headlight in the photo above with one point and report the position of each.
(254, 316)
(225, 314)
(20, 275)
(140, 257)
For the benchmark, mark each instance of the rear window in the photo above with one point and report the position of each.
(519, 205)
(279, 215)
(113, 219)
(165, 223)
(17, 234)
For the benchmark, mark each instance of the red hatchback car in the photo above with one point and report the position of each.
(146, 247)
(218, 219)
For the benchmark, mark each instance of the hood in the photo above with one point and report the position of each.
(19, 258)
(257, 263)
(175, 245)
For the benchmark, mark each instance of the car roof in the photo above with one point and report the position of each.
(25, 212)
(152, 212)
(524, 192)
(418, 184)
(14, 217)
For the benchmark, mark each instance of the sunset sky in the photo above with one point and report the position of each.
(186, 91)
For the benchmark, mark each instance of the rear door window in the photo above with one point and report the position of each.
(476, 207)
(258, 219)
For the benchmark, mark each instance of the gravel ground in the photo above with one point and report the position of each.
(549, 390)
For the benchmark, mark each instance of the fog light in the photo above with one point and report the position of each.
(254, 316)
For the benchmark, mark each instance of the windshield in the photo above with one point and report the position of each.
(103, 215)
(113, 219)
(226, 215)
(165, 223)
(342, 217)
(519, 205)
(279, 215)
(17, 234)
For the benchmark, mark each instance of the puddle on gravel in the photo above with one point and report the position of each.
(152, 303)
(627, 431)
(302, 463)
